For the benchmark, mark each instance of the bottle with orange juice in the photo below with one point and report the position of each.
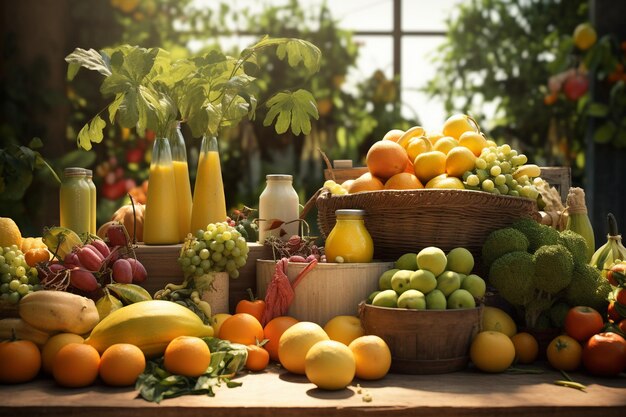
(209, 203)
(161, 218)
(183, 186)
(349, 241)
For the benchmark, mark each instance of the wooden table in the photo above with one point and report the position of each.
(277, 393)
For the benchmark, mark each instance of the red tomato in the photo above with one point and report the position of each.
(604, 354)
(616, 274)
(620, 297)
(612, 313)
(583, 322)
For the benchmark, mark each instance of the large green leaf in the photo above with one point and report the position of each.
(90, 59)
(291, 109)
(115, 84)
(91, 132)
(605, 133)
(128, 112)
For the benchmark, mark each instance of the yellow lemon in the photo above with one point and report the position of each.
(372, 357)
(344, 329)
(457, 124)
(417, 146)
(428, 165)
(445, 144)
(414, 132)
(52, 347)
(296, 341)
(9, 233)
(330, 365)
(459, 160)
(498, 320)
(444, 181)
(473, 141)
(433, 137)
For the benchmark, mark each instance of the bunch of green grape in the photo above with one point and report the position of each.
(502, 170)
(16, 278)
(218, 248)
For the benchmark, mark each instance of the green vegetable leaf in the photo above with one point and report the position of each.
(115, 84)
(295, 109)
(91, 132)
(90, 59)
(605, 133)
(128, 112)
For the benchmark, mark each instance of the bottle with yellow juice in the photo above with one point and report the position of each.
(183, 185)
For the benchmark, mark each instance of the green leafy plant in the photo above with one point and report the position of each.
(151, 90)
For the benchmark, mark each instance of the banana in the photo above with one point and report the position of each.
(612, 250)
(61, 240)
(58, 311)
(14, 327)
(149, 325)
(530, 170)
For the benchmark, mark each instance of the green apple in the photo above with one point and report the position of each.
(386, 298)
(384, 282)
(401, 281)
(462, 276)
(423, 280)
(448, 281)
(461, 299)
(412, 299)
(407, 261)
(435, 300)
(460, 260)
(475, 285)
(370, 298)
(432, 259)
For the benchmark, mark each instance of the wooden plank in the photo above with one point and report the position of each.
(276, 393)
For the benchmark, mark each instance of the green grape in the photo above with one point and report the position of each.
(230, 265)
(184, 261)
(22, 289)
(33, 279)
(509, 179)
(14, 298)
(213, 245)
(219, 247)
(190, 269)
(235, 252)
(523, 180)
(5, 295)
(221, 228)
(222, 263)
(33, 272)
(505, 149)
(2, 260)
(198, 272)
(230, 245)
(495, 191)
(37, 287)
(204, 254)
(514, 193)
(241, 243)
(503, 189)
(480, 163)
(495, 171)
(23, 279)
(9, 256)
(199, 234)
(505, 167)
(235, 234)
(5, 268)
(4, 288)
(473, 180)
(245, 250)
(189, 253)
(226, 253)
(196, 247)
(234, 274)
(482, 174)
(205, 265)
(20, 271)
(216, 256)
(500, 180)
(14, 248)
(219, 238)
(207, 236)
(240, 261)
(14, 285)
(523, 158)
(5, 278)
(195, 260)
(513, 153)
(488, 185)
(491, 157)
(226, 235)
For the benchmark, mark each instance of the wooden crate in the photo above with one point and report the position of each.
(162, 268)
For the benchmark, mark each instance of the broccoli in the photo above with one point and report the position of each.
(588, 288)
(503, 241)
(538, 234)
(576, 244)
(557, 314)
(553, 268)
(513, 275)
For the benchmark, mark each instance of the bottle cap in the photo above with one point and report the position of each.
(278, 177)
(74, 172)
(350, 212)
(88, 173)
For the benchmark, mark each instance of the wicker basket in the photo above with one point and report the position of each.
(409, 220)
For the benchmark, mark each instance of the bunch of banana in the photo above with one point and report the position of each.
(612, 250)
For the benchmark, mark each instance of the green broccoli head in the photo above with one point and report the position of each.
(503, 241)
(537, 234)
(576, 244)
(557, 314)
(553, 268)
(513, 275)
(588, 288)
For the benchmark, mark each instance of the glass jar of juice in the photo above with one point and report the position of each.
(209, 203)
(92, 201)
(161, 213)
(183, 186)
(279, 201)
(349, 240)
(75, 201)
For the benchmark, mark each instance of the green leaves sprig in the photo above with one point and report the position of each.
(208, 92)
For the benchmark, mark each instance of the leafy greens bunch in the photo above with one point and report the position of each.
(210, 91)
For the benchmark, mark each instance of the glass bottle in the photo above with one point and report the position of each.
(161, 213)
(92, 202)
(183, 185)
(349, 239)
(279, 201)
(75, 201)
(209, 203)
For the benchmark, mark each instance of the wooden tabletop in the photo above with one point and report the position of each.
(277, 393)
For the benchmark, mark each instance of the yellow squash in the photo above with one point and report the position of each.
(149, 325)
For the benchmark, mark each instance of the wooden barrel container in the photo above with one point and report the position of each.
(424, 341)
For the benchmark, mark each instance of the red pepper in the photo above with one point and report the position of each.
(252, 306)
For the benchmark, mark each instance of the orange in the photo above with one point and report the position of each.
(273, 330)
(121, 364)
(445, 144)
(366, 182)
(459, 160)
(385, 158)
(492, 351)
(403, 181)
(393, 135)
(187, 356)
(429, 164)
(242, 328)
(258, 358)
(564, 353)
(372, 357)
(457, 124)
(76, 365)
(20, 361)
(417, 146)
(526, 347)
(53, 345)
(473, 141)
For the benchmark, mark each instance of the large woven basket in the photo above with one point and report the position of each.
(410, 220)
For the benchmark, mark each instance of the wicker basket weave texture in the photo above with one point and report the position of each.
(410, 220)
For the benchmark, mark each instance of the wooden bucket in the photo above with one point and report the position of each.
(329, 289)
(424, 341)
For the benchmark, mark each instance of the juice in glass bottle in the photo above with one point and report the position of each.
(161, 214)
(349, 239)
(183, 186)
(209, 203)
(93, 201)
(75, 201)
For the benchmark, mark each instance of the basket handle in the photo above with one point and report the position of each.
(310, 203)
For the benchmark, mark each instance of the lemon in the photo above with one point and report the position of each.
(344, 329)
(473, 141)
(330, 365)
(433, 137)
(9, 233)
(497, 320)
(445, 144)
(417, 146)
(457, 124)
(372, 357)
(296, 341)
(459, 160)
(429, 164)
(445, 181)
